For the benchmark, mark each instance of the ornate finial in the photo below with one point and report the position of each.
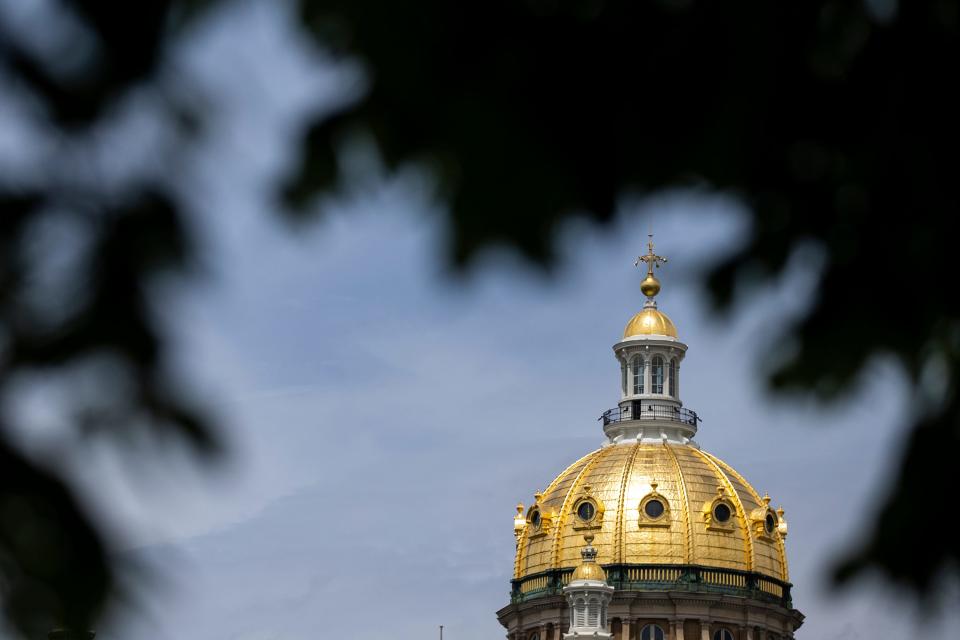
(782, 523)
(519, 522)
(650, 285)
(653, 485)
(766, 499)
(588, 553)
(720, 491)
(537, 496)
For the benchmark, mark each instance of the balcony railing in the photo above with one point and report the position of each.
(663, 577)
(650, 411)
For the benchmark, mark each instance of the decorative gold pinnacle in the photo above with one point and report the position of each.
(650, 285)
(519, 522)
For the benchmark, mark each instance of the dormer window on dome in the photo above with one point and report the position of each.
(718, 514)
(765, 521)
(535, 518)
(539, 521)
(588, 510)
(721, 512)
(654, 509)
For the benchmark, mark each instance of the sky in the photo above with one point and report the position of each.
(383, 416)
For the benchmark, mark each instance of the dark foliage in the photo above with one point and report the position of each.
(836, 126)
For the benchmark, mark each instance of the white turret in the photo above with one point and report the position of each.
(588, 596)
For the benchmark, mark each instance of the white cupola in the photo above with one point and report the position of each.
(649, 354)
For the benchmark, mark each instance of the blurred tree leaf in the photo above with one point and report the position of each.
(55, 566)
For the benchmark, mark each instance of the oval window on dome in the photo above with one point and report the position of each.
(721, 512)
(535, 518)
(770, 523)
(654, 509)
(586, 511)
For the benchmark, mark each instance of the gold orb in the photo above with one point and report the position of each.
(650, 286)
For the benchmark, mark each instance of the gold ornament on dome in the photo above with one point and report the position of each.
(764, 521)
(661, 520)
(585, 502)
(519, 523)
(588, 569)
(650, 286)
(712, 515)
(782, 527)
(650, 321)
(539, 520)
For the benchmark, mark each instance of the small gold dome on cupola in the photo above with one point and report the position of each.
(650, 322)
(588, 569)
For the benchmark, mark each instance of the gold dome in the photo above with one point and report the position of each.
(619, 481)
(650, 322)
(589, 571)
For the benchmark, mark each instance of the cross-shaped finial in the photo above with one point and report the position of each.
(651, 259)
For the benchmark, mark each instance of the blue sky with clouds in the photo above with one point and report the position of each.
(384, 416)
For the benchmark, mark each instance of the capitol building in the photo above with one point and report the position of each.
(650, 537)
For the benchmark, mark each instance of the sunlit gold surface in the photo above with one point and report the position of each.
(650, 286)
(589, 571)
(620, 478)
(650, 322)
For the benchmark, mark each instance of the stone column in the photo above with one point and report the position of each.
(704, 630)
(556, 630)
(678, 630)
(625, 630)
